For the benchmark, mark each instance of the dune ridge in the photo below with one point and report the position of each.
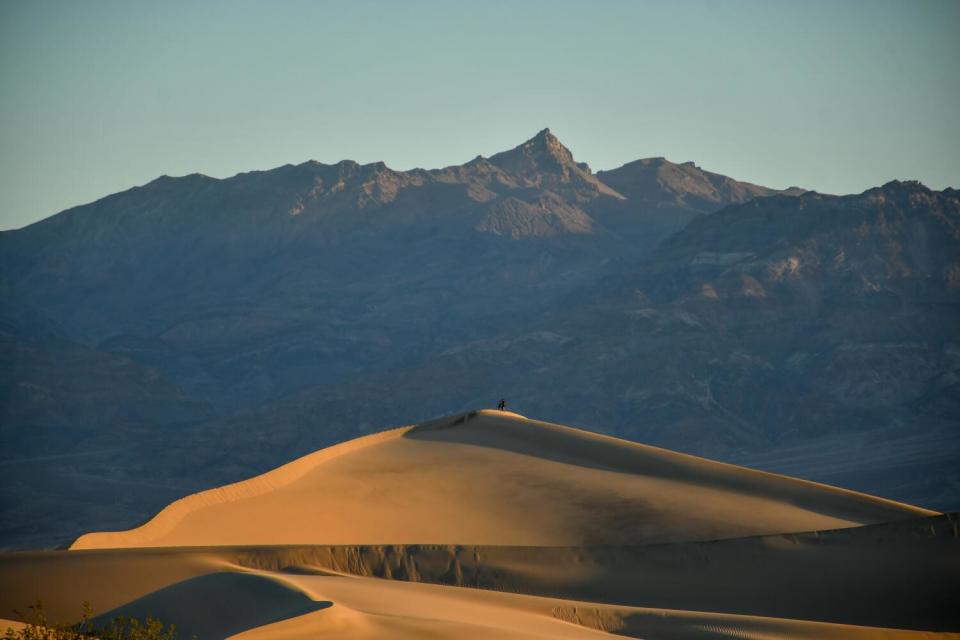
(702, 470)
(272, 480)
(232, 602)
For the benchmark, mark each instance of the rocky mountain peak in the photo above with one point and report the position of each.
(542, 152)
(908, 186)
(544, 162)
(660, 183)
(905, 192)
(548, 143)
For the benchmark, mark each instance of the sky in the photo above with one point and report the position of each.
(100, 96)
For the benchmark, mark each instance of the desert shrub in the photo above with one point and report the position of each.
(38, 627)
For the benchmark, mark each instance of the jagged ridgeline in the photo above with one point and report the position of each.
(195, 331)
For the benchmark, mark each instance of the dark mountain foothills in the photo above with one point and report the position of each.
(196, 331)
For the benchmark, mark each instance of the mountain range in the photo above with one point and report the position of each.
(260, 317)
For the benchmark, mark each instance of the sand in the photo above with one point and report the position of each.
(497, 478)
(491, 525)
(219, 592)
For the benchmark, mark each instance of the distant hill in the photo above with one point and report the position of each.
(658, 301)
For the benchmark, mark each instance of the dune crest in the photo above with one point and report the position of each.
(272, 480)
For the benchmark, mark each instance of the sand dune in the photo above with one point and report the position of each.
(419, 532)
(497, 478)
(383, 609)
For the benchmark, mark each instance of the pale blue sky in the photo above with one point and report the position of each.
(836, 96)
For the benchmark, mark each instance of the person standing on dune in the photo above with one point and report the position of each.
(502, 405)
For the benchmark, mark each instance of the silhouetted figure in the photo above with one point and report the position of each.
(502, 405)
